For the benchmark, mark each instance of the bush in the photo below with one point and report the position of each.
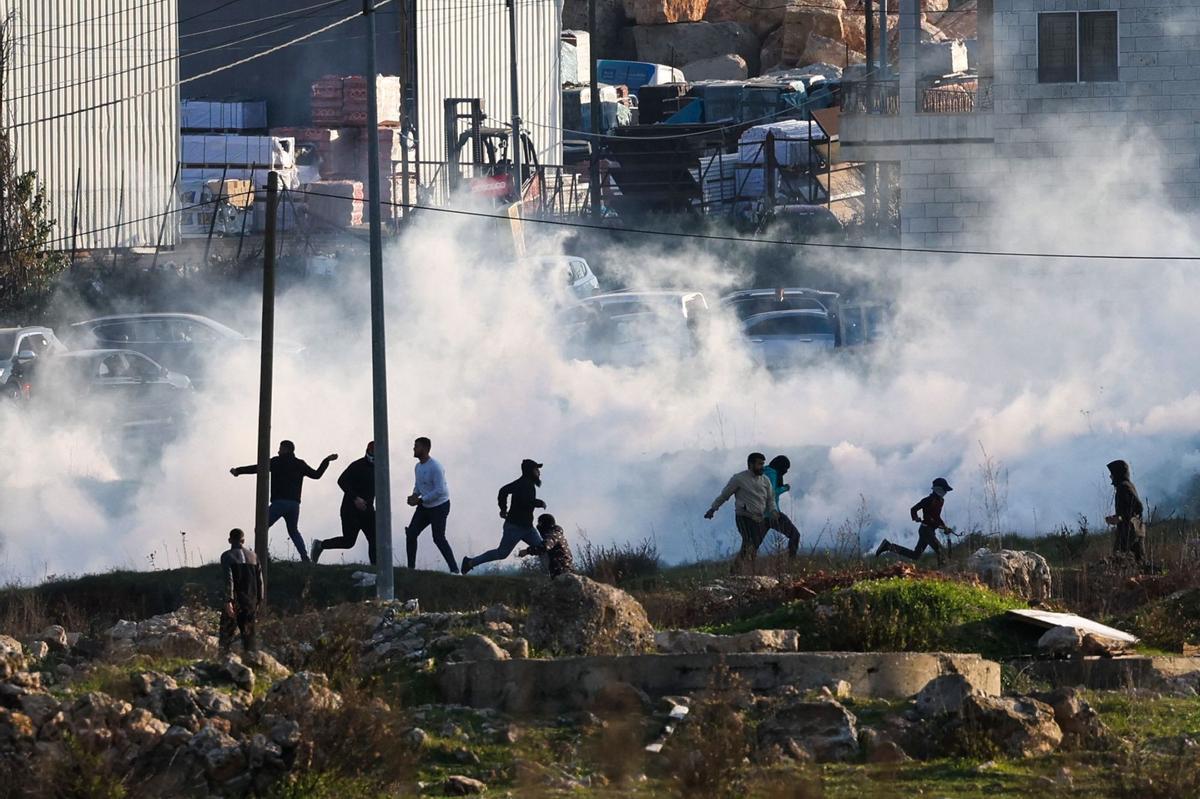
(896, 614)
(618, 563)
(707, 754)
(1171, 622)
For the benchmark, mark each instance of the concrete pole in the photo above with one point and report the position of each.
(516, 97)
(596, 108)
(384, 588)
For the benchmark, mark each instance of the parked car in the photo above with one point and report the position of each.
(569, 271)
(631, 328)
(181, 342)
(19, 348)
(123, 387)
(786, 326)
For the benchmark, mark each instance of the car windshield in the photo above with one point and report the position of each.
(792, 325)
(753, 306)
(7, 339)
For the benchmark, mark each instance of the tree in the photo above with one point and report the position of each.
(27, 268)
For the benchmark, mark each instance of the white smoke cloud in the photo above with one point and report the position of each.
(1051, 366)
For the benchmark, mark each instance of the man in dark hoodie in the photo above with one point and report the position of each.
(928, 514)
(358, 507)
(287, 478)
(1127, 518)
(517, 501)
(244, 591)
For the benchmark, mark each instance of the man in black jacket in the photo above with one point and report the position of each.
(287, 478)
(358, 507)
(244, 592)
(1127, 518)
(517, 501)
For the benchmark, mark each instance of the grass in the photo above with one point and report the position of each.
(898, 614)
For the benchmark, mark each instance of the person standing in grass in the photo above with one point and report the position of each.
(754, 505)
(1130, 533)
(928, 514)
(775, 471)
(244, 592)
(518, 500)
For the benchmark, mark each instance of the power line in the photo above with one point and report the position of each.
(174, 84)
(783, 242)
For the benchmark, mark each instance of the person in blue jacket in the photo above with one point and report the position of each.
(781, 524)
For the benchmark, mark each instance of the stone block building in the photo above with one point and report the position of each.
(1061, 86)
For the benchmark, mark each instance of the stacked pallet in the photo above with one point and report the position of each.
(342, 101)
(326, 99)
(336, 203)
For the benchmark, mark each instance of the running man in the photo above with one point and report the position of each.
(358, 507)
(431, 498)
(754, 506)
(518, 500)
(287, 479)
(930, 519)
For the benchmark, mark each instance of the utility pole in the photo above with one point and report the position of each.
(384, 588)
(594, 92)
(883, 38)
(266, 367)
(516, 98)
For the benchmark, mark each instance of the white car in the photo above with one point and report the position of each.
(565, 271)
(785, 327)
(632, 328)
(20, 347)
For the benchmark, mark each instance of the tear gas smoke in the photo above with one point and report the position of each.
(1052, 366)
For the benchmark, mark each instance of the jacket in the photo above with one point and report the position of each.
(931, 511)
(556, 552)
(358, 480)
(754, 492)
(518, 500)
(776, 484)
(243, 578)
(1127, 504)
(287, 475)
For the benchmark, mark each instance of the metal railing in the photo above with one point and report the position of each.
(871, 97)
(961, 97)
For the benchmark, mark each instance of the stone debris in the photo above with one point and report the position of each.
(1026, 574)
(578, 616)
(457, 785)
(176, 634)
(1074, 642)
(822, 731)
(688, 642)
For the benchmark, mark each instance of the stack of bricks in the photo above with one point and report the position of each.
(326, 99)
(336, 203)
(354, 100)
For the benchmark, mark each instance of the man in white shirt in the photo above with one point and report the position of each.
(431, 498)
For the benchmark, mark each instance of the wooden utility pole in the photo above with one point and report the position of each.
(265, 376)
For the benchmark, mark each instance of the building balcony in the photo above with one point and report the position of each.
(967, 95)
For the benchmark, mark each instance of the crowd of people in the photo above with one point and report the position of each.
(755, 492)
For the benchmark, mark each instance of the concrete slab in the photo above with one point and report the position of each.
(536, 685)
(1048, 619)
(1109, 674)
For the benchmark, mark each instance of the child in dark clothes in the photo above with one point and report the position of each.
(555, 551)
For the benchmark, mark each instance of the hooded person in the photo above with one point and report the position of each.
(928, 514)
(775, 471)
(517, 501)
(754, 505)
(358, 507)
(555, 551)
(1130, 534)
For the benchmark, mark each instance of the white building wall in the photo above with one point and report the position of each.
(90, 95)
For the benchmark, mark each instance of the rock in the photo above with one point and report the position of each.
(458, 785)
(1019, 726)
(1026, 574)
(771, 55)
(286, 733)
(500, 614)
(578, 616)
(12, 657)
(1074, 642)
(822, 50)
(143, 729)
(661, 12)
(417, 738)
(1081, 726)
(147, 682)
(265, 665)
(822, 17)
(516, 648)
(823, 731)
(301, 696)
(880, 748)
(944, 696)
(688, 642)
(38, 650)
(722, 67)
(621, 699)
(686, 42)
(610, 21)
(231, 668)
(763, 16)
(167, 635)
(55, 637)
(220, 755)
(477, 647)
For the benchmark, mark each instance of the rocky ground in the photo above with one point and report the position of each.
(344, 700)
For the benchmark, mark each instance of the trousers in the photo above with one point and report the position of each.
(430, 517)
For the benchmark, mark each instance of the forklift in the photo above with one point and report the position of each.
(486, 170)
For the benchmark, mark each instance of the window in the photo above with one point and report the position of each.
(1077, 47)
(791, 325)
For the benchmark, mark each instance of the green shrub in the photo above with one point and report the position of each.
(1170, 623)
(897, 614)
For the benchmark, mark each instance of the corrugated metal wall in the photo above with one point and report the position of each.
(72, 65)
(462, 51)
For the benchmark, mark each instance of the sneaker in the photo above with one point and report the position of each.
(884, 546)
(317, 548)
(466, 565)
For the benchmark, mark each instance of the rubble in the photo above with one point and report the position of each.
(578, 616)
(1026, 574)
(824, 731)
(168, 635)
(686, 42)
(685, 642)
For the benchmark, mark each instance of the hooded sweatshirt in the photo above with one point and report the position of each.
(523, 492)
(776, 483)
(1128, 504)
(358, 480)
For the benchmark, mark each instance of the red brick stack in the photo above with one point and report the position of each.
(327, 102)
(336, 203)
